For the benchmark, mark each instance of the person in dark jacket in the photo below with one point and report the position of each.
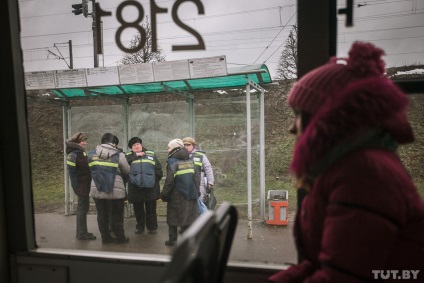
(362, 216)
(109, 168)
(80, 175)
(180, 191)
(143, 186)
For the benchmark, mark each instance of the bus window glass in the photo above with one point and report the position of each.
(77, 57)
(397, 28)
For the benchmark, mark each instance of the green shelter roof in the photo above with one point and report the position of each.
(236, 77)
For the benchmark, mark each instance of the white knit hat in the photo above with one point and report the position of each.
(176, 143)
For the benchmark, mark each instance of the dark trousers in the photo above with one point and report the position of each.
(173, 232)
(110, 211)
(145, 214)
(82, 210)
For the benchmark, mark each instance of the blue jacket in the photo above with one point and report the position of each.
(142, 170)
(103, 171)
(183, 177)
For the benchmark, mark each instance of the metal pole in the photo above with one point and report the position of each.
(262, 151)
(101, 42)
(126, 115)
(71, 59)
(125, 104)
(249, 163)
(96, 57)
(69, 131)
(65, 167)
(191, 117)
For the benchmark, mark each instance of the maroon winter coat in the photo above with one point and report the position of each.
(83, 170)
(362, 212)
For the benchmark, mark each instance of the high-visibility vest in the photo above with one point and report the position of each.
(142, 171)
(103, 171)
(183, 177)
(71, 163)
(197, 158)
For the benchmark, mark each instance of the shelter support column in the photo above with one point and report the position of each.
(249, 163)
(191, 116)
(69, 197)
(261, 97)
(125, 114)
(129, 210)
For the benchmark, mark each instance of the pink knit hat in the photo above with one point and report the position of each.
(318, 86)
(345, 102)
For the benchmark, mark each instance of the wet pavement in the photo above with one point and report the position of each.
(270, 243)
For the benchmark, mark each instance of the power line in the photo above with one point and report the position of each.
(275, 38)
(223, 33)
(205, 35)
(251, 31)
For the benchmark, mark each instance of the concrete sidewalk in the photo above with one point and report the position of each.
(270, 244)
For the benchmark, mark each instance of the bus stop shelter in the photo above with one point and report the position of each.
(183, 77)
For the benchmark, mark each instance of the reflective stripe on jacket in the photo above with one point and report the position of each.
(197, 158)
(142, 171)
(183, 175)
(71, 162)
(103, 171)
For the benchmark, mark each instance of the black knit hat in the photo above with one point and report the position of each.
(110, 138)
(134, 140)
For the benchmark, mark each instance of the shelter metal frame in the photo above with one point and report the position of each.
(250, 77)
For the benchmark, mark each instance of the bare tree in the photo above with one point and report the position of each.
(287, 64)
(145, 54)
(286, 70)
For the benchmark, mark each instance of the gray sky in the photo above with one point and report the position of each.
(245, 31)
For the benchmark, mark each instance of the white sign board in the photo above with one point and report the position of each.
(171, 71)
(70, 78)
(134, 74)
(102, 76)
(39, 80)
(208, 67)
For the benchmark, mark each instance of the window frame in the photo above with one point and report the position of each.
(18, 250)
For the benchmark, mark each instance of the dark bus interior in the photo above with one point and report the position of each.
(203, 255)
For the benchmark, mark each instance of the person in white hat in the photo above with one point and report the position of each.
(180, 191)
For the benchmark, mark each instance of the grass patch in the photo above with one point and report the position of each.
(420, 188)
(48, 192)
(221, 129)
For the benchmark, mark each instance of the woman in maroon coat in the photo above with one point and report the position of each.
(362, 218)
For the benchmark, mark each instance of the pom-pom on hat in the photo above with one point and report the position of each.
(176, 143)
(79, 137)
(321, 84)
(134, 140)
(189, 140)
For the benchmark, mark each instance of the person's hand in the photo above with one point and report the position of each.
(140, 153)
(209, 188)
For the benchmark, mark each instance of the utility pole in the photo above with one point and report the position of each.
(83, 9)
(94, 25)
(71, 58)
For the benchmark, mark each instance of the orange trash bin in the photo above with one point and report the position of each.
(278, 207)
